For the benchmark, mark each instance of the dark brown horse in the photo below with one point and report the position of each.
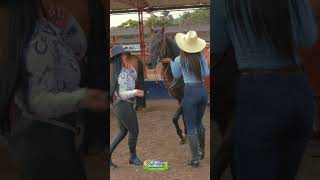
(160, 46)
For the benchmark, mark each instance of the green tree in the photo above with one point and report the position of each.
(199, 16)
(155, 21)
(129, 24)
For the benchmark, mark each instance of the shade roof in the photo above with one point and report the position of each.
(149, 5)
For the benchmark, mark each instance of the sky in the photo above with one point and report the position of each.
(117, 19)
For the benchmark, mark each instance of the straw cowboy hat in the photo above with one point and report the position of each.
(116, 50)
(190, 42)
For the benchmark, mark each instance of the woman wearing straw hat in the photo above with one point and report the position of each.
(123, 93)
(192, 66)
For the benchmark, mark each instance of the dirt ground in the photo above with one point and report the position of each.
(95, 166)
(309, 169)
(158, 140)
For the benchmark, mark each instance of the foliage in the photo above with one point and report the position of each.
(129, 24)
(199, 16)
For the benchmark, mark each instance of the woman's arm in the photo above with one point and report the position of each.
(45, 98)
(123, 81)
(219, 36)
(176, 68)
(304, 24)
(204, 66)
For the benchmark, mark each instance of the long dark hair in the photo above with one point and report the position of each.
(96, 75)
(23, 15)
(115, 68)
(191, 62)
(96, 68)
(267, 18)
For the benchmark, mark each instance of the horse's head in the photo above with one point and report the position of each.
(156, 48)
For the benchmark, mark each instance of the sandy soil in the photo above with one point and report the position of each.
(158, 140)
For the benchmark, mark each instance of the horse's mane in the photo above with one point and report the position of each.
(172, 51)
(172, 45)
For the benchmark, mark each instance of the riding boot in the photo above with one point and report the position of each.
(194, 162)
(133, 155)
(134, 160)
(201, 141)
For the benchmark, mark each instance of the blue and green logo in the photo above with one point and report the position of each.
(155, 165)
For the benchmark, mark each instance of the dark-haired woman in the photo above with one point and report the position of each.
(48, 45)
(123, 92)
(192, 66)
(275, 105)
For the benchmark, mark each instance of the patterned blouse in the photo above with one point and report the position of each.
(127, 84)
(52, 61)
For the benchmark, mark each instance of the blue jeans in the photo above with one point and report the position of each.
(274, 116)
(195, 101)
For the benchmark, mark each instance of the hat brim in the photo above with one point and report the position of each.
(126, 52)
(194, 47)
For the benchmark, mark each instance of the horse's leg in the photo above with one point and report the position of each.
(176, 123)
(184, 123)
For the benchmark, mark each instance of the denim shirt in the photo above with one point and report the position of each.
(188, 77)
(127, 84)
(52, 61)
(260, 54)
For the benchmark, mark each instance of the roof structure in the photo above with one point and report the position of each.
(140, 6)
(121, 6)
(169, 29)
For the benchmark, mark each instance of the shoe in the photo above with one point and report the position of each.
(201, 140)
(134, 160)
(194, 162)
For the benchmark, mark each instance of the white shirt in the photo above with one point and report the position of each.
(127, 84)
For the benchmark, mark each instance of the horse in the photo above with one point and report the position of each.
(160, 46)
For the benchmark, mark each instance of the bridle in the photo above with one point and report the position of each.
(164, 71)
(163, 51)
(161, 55)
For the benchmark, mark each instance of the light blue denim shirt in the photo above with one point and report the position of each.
(188, 77)
(260, 54)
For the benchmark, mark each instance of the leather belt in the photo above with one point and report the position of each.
(280, 71)
(195, 84)
(64, 125)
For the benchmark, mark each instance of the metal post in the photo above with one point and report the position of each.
(142, 44)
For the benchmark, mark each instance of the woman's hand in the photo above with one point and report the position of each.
(165, 60)
(139, 93)
(96, 100)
